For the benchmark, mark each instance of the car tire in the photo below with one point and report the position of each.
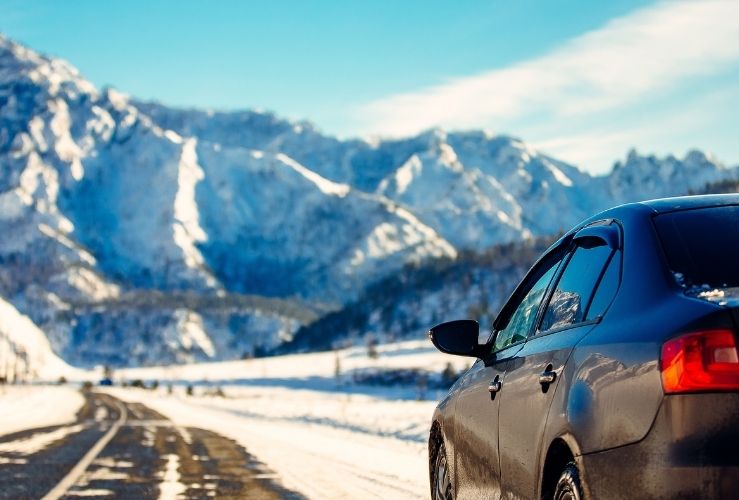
(442, 481)
(568, 486)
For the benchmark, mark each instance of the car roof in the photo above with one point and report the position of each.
(663, 205)
(650, 208)
(653, 207)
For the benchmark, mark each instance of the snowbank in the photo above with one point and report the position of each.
(311, 371)
(29, 406)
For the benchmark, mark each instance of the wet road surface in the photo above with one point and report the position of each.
(126, 450)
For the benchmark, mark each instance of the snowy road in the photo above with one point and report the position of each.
(126, 450)
(327, 445)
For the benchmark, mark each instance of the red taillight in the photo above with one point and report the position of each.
(700, 361)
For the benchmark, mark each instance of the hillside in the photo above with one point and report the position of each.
(403, 306)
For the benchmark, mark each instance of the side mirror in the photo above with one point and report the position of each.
(457, 337)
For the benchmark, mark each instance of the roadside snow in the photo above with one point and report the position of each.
(39, 440)
(305, 370)
(28, 406)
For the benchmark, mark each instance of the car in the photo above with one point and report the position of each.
(612, 369)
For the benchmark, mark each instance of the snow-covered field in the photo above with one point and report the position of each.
(28, 406)
(311, 371)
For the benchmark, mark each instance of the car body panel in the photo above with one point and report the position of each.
(476, 429)
(525, 403)
(616, 386)
(443, 420)
(693, 448)
(608, 404)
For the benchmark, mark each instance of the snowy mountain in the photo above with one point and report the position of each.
(481, 190)
(103, 203)
(473, 188)
(644, 177)
(143, 233)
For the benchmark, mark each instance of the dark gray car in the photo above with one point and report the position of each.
(612, 371)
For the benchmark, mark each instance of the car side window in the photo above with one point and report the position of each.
(523, 318)
(569, 302)
(607, 288)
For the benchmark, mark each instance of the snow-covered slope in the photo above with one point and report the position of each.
(405, 304)
(25, 352)
(109, 200)
(473, 188)
(278, 228)
(481, 190)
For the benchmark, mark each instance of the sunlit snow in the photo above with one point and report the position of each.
(325, 185)
(187, 230)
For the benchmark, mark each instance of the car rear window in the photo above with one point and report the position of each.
(702, 246)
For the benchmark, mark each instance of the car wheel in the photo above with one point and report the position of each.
(568, 487)
(442, 481)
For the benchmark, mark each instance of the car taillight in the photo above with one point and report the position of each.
(700, 361)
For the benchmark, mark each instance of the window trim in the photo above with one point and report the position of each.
(536, 332)
(617, 252)
(492, 356)
(550, 290)
(518, 295)
(566, 246)
(551, 331)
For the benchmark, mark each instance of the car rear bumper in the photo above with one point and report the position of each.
(691, 451)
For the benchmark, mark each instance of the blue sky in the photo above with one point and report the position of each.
(582, 80)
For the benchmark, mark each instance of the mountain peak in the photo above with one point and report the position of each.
(649, 176)
(698, 157)
(18, 62)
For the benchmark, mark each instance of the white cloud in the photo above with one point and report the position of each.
(630, 58)
(702, 121)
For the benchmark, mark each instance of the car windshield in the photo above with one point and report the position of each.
(702, 246)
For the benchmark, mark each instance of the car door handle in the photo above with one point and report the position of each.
(495, 386)
(547, 376)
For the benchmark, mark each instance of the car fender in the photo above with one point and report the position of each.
(442, 427)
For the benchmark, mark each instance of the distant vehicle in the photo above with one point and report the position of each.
(612, 370)
(106, 382)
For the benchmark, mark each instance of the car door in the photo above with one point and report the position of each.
(532, 374)
(477, 467)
